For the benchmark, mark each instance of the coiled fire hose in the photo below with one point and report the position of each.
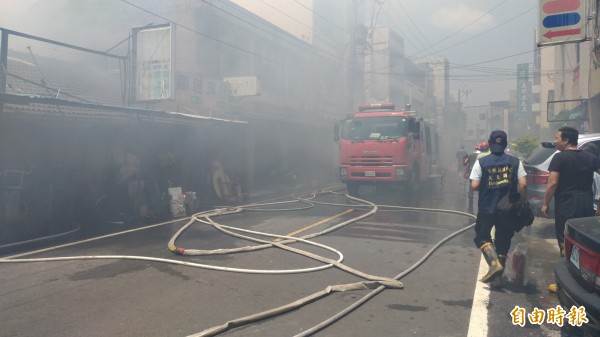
(373, 282)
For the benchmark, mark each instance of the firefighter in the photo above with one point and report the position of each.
(460, 164)
(495, 175)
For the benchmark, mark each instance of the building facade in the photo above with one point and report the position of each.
(244, 93)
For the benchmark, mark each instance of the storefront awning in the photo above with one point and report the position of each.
(577, 113)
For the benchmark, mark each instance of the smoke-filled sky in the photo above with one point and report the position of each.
(483, 40)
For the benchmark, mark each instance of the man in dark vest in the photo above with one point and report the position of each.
(494, 176)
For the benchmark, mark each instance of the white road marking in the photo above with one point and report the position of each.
(478, 324)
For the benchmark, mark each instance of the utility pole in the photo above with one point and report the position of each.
(3, 64)
(356, 65)
(352, 67)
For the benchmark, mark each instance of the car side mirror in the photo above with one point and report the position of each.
(548, 145)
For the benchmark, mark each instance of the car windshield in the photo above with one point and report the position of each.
(540, 155)
(382, 127)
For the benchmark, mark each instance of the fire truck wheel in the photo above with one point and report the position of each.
(352, 187)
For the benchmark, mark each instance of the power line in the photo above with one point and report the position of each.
(498, 59)
(258, 56)
(291, 42)
(228, 3)
(400, 30)
(466, 26)
(438, 51)
(325, 18)
(464, 67)
(191, 29)
(486, 31)
(372, 29)
(429, 45)
(289, 16)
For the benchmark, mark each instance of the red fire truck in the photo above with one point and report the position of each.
(380, 144)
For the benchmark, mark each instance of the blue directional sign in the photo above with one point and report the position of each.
(561, 20)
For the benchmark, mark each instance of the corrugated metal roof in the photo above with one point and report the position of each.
(71, 80)
(55, 107)
(59, 88)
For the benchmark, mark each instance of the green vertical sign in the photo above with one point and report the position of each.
(523, 90)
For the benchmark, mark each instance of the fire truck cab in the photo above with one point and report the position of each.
(382, 145)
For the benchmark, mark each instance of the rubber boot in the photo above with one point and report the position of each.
(489, 252)
(497, 282)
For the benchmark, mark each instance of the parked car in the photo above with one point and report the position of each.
(536, 166)
(578, 275)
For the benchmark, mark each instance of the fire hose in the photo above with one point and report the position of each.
(377, 283)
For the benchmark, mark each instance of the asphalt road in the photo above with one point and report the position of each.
(135, 297)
